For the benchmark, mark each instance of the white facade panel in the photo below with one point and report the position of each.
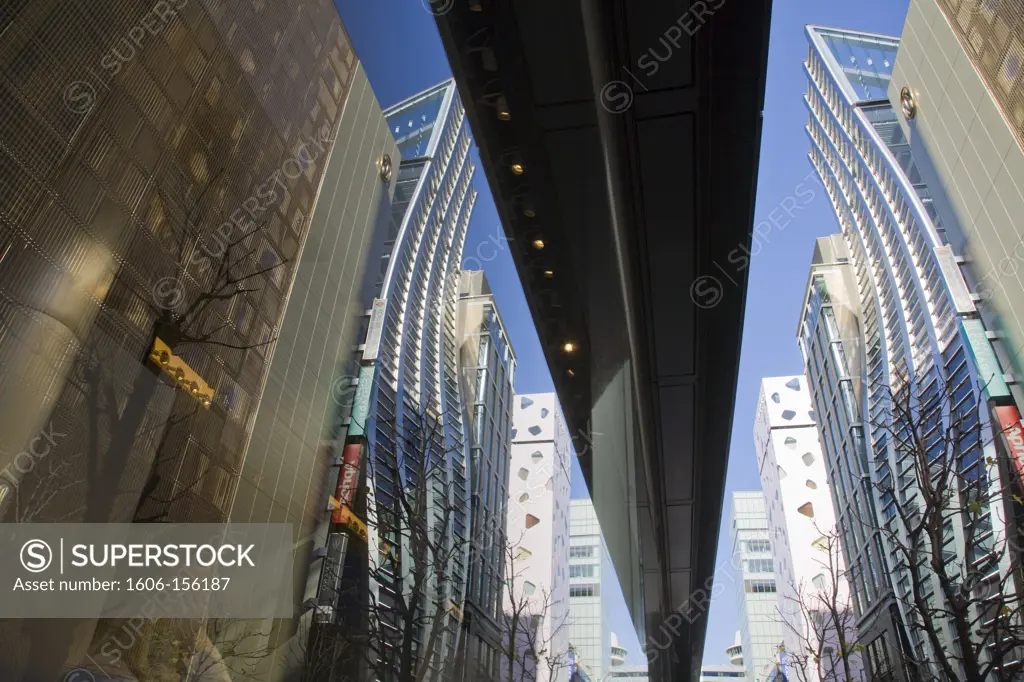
(538, 517)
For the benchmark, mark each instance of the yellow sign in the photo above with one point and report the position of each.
(176, 368)
(346, 517)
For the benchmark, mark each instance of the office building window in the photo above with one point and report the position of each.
(759, 586)
(582, 571)
(759, 546)
(591, 590)
(760, 566)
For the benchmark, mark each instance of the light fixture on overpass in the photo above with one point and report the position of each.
(569, 347)
(550, 274)
(529, 213)
(517, 168)
(503, 113)
(538, 244)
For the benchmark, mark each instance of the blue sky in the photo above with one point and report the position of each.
(398, 44)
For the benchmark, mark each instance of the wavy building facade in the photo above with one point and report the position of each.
(958, 86)
(916, 324)
(408, 405)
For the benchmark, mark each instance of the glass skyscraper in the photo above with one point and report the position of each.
(414, 415)
(761, 627)
(487, 364)
(887, 314)
(591, 581)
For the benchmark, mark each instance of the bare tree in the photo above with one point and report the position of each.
(123, 427)
(53, 479)
(130, 404)
(545, 645)
(516, 614)
(530, 629)
(410, 604)
(821, 620)
(943, 502)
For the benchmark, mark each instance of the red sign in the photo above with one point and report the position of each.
(1012, 435)
(348, 477)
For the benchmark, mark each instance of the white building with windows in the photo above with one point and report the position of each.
(761, 628)
(797, 498)
(538, 521)
(589, 570)
(801, 519)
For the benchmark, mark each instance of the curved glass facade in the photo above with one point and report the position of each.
(415, 406)
(906, 331)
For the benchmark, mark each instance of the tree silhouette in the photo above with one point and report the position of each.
(822, 621)
(943, 506)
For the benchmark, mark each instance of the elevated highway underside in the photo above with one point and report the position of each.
(621, 139)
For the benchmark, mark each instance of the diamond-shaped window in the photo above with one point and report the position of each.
(525, 402)
(793, 383)
(788, 415)
(535, 430)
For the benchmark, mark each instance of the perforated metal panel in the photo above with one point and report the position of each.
(130, 133)
(992, 34)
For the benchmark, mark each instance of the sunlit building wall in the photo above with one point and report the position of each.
(538, 523)
(290, 470)
(960, 64)
(140, 146)
(800, 514)
(627, 673)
